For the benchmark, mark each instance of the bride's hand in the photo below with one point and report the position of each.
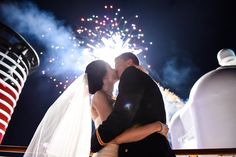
(164, 129)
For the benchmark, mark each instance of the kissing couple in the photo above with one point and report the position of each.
(132, 124)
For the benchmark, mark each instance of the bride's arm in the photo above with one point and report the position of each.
(140, 132)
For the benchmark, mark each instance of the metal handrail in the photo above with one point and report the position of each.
(211, 151)
(12, 149)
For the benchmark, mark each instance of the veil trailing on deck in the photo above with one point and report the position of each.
(65, 130)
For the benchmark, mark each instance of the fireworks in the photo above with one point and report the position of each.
(110, 35)
(98, 37)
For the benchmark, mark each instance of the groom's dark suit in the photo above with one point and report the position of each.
(139, 102)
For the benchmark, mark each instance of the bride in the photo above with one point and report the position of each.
(65, 130)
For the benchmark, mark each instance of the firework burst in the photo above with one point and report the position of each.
(110, 35)
(98, 37)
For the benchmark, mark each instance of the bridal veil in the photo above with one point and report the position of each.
(65, 130)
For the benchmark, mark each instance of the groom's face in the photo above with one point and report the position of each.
(120, 66)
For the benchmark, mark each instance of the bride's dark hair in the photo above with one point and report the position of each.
(96, 71)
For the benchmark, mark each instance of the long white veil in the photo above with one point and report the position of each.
(65, 130)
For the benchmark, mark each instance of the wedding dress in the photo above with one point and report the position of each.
(110, 150)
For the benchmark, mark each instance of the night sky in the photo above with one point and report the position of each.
(186, 37)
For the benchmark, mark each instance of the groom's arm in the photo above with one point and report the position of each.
(131, 89)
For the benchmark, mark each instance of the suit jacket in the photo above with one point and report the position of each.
(139, 102)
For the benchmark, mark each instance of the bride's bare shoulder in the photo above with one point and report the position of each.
(99, 94)
(99, 97)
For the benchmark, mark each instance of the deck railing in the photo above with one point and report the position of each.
(184, 152)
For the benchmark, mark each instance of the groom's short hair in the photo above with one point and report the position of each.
(129, 55)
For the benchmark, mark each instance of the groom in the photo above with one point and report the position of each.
(139, 102)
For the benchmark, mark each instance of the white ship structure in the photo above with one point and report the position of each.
(208, 120)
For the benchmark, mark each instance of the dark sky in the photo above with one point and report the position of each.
(186, 37)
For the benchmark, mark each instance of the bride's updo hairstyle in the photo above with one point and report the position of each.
(96, 71)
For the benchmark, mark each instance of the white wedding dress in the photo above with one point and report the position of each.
(65, 130)
(110, 150)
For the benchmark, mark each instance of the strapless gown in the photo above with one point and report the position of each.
(110, 150)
